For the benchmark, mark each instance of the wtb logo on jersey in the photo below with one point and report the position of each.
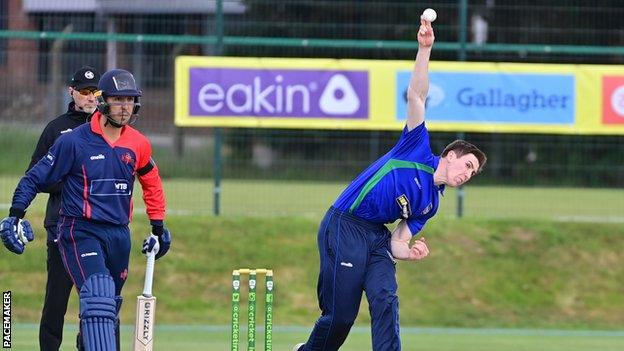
(127, 159)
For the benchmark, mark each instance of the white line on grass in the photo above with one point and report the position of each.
(591, 219)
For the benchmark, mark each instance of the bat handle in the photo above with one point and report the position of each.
(149, 274)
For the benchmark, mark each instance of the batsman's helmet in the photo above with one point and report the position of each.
(117, 82)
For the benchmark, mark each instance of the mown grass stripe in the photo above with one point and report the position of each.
(366, 329)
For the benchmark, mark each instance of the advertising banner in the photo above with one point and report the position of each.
(371, 95)
(497, 98)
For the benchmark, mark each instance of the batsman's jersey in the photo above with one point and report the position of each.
(97, 176)
(398, 185)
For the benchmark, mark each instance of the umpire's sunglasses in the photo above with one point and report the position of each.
(86, 91)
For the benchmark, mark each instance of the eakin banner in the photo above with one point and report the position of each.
(371, 95)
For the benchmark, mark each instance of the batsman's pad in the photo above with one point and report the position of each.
(98, 313)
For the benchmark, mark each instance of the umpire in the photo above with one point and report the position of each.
(58, 287)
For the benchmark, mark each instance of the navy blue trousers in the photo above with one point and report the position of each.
(89, 247)
(355, 257)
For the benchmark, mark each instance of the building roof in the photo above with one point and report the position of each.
(132, 7)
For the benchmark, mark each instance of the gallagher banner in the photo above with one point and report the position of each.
(371, 94)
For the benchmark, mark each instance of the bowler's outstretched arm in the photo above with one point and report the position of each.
(419, 83)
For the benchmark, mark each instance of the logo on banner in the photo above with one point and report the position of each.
(339, 97)
(613, 100)
(278, 93)
(500, 97)
(436, 95)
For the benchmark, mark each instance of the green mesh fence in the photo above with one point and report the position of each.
(42, 43)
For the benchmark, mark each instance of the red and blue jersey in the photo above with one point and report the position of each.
(97, 175)
(399, 185)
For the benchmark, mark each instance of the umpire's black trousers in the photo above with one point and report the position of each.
(58, 288)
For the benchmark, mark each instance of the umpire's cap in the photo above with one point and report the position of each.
(85, 77)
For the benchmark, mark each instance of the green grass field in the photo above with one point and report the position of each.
(189, 338)
(481, 274)
(311, 199)
(522, 258)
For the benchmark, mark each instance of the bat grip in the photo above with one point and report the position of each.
(149, 274)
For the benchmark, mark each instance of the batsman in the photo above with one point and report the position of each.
(357, 251)
(97, 164)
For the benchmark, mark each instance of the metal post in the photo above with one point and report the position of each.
(137, 55)
(111, 45)
(461, 194)
(217, 131)
(461, 56)
(374, 145)
(217, 171)
(219, 27)
(463, 29)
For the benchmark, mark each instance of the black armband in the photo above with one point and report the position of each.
(147, 168)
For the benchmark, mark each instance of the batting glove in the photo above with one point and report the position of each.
(16, 232)
(159, 240)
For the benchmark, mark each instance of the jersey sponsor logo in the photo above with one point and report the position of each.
(87, 254)
(404, 205)
(66, 131)
(48, 159)
(97, 157)
(127, 158)
(417, 183)
(110, 187)
(427, 209)
(347, 264)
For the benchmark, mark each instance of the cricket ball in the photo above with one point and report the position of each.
(429, 15)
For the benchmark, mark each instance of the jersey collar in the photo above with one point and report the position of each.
(436, 162)
(95, 123)
(97, 128)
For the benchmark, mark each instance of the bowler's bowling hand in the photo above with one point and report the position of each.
(425, 34)
(401, 249)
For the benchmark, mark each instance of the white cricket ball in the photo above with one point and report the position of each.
(429, 15)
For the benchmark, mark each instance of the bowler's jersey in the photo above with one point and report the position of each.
(97, 176)
(398, 185)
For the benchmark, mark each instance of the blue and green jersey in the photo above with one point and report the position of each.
(399, 185)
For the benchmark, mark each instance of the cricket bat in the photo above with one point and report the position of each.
(146, 309)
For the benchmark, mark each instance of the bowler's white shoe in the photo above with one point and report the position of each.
(296, 348)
